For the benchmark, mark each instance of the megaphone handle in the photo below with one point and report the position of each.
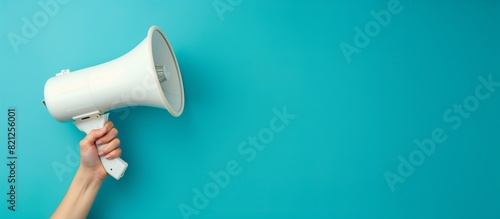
(115, 167)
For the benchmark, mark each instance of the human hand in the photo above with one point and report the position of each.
(90, 162)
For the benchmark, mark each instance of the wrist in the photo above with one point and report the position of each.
(88, 176)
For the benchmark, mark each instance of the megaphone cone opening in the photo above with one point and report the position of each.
(167, 72)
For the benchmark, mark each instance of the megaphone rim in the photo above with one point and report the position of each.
(167, 105)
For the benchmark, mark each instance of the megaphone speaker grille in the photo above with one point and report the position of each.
(162, 73)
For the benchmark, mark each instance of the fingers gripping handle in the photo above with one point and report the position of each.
(115, 167)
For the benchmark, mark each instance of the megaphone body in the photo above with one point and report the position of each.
(148, 75)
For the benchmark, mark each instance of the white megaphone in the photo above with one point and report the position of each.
(148, 75)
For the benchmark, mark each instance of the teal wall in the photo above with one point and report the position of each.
(388, 117)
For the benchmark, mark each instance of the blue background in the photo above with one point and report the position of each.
(353, 120)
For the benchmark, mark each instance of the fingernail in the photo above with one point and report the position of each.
(108, 156)
(98, 142)
(100, 153)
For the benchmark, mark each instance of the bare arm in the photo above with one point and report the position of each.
(90, 174)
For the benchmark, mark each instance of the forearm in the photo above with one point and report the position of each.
(80, 196)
